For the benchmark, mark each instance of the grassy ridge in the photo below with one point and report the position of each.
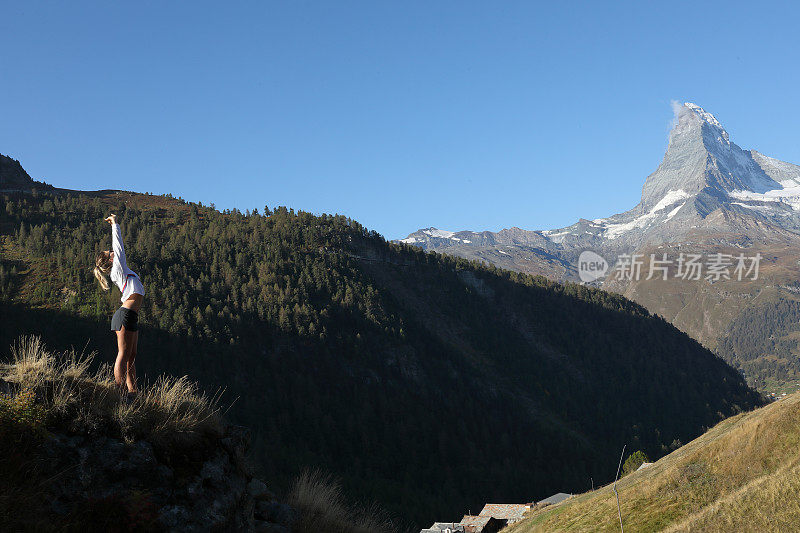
(742, 475)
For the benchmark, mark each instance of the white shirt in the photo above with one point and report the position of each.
(123, 277)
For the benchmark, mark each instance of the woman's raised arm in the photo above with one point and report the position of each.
(116, 241)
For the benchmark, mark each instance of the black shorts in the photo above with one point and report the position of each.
(125, 317)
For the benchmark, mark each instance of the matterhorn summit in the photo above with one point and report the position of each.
(705, 184)
(701, 158)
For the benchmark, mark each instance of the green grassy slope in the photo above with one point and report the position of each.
(742, 475)
(426, 382)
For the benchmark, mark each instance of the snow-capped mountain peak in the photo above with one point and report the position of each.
(706, 116)
(701, 158)
(703, 173)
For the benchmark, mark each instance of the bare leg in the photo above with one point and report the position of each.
(120, 365)
(131, 370)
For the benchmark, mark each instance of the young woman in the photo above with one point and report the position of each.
(111, 263)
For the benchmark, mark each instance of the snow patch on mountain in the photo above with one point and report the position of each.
(789, 195)
(784, 174)
(674, 211)
(671, 198)
(426, 234)
(440, 233)
(614, 230)
(556, 236)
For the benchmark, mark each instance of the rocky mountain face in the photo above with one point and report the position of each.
(708, 196)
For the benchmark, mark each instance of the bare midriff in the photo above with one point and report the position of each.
(134, 302)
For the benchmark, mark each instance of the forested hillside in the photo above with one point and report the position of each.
(763, 341)
(426, 382)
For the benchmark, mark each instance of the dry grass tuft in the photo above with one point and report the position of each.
(172, 410)
(31, 362)
(321, 506)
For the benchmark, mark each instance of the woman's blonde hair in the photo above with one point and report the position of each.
(102, 266)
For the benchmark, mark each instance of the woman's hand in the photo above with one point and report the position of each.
(112, 219)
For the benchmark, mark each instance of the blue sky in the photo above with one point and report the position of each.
(459, 115)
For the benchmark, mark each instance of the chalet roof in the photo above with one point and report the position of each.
(555, 498)
(470, 520)
(478, 524)
(507, 511)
